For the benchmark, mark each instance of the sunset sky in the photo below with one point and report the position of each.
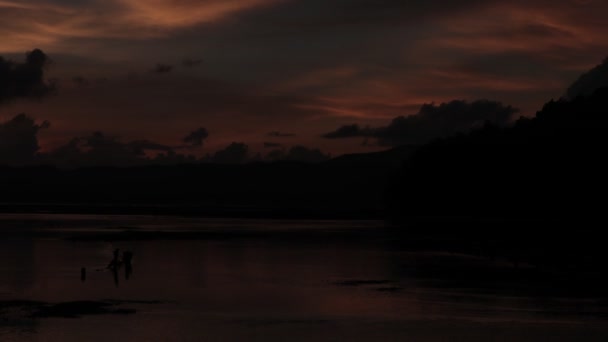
(160, 69)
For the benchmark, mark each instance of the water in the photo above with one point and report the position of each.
(260, 280)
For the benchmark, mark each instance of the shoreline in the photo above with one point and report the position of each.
(191, 210)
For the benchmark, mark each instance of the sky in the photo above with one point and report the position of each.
(279, 73)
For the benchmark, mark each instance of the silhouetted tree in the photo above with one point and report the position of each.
(547, 166)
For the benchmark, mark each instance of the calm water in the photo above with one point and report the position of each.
(331, 287)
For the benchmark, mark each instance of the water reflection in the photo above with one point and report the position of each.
(117, 263)
(17, 264)
(228, 288)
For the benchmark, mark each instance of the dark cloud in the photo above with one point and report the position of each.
(272, 145)
(80, 81)
(309, 15)
(163, 68)
(235, 153)
(185, 97)
(140, 146)
(190, 63)
(22, 80)
(277, 134)
(197, 137)
(99, 149)
(172, 158)
(391, 53)
(432, 121)
(350, 131)
(299, 153)
(590, 81)
(275, 155)
(19, 146)
(19, 140)
(305, 154)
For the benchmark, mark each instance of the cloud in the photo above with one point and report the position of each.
(19, 146)
(24, 80)
(277, 134)
(350, 131)
(235, 153)
(272, 145)
(190, 63)
(19, 140)
(305, 154)
(80, 81)
(275, 155)
(392, 55)
(432, 121)
(95, 150)
(141, 146)
(100, 149)
(162, 68)
(300, 154)
(175, 14)
(197, 137)
(170, 106)
(56, 23)
(590, 81)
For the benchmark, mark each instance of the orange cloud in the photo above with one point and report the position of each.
(44, 24)
(170, 14)
(519, 28)
(325, 60)
(466, 79)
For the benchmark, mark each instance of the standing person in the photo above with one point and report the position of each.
(127, 257)
(115, 263)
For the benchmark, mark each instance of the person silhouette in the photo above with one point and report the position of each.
(115, 263)
(127, 257)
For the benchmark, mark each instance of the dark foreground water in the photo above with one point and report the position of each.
(253, 280)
